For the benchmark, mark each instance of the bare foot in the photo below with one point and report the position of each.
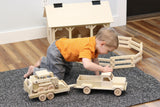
(30, 71)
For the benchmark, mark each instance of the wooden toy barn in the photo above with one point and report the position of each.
(76, 19)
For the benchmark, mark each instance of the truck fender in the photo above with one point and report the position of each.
(118, 87)
(88, 85)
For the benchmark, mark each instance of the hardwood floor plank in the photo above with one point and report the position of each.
(150, 68)
(149, 27)
(38, 44)
(21, 54)
(3, 66)
(141, 29)
(33, 47)
(7, 58)
(45, 42)
(154, 23)
(11, 53)
(28, 53)
(15, 56)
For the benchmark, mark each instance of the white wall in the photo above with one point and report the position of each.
(23, 19)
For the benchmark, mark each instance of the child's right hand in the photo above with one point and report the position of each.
(107, 69)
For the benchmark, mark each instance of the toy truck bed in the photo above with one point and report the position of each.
(94, 82)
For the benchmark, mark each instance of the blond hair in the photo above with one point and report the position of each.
(109, 36)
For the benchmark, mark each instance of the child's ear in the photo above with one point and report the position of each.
(103, 43)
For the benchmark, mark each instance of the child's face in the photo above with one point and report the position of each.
(103, 49)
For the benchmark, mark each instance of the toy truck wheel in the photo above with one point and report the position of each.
(86, 90)
(42, 97)
(50, 96)
(117, 92)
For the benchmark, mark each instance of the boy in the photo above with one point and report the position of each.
(62, 52)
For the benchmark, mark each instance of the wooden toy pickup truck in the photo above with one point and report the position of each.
(44, 85)
(105, 81)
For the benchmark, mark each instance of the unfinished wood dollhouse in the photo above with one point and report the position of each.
(69, 16)
(85, 19)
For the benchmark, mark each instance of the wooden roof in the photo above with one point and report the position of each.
(77, 14)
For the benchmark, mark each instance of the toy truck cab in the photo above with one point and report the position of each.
(105, 81)
(118, 84)
(44, 85)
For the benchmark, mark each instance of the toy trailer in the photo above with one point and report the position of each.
(44, 85)
(105, 81)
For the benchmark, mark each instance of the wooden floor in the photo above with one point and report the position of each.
(146, 30)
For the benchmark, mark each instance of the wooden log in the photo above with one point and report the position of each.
(132, 61)
(138, 55)
(123, 42)
(141, 47)
(137, 59)
(134, 47)
(134, 43)
(123, 66)
(123, 62)
(124, 38)
(123, 57)
(112, 62)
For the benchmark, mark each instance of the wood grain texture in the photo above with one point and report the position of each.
(22, 54)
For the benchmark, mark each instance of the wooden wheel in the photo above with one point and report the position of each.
(117, 92)
(42, 97)
(50, 96)
(86, 90)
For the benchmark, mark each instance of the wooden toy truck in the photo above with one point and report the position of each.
(44, 85)
(105, 81)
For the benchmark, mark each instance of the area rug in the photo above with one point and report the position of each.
(141, 88)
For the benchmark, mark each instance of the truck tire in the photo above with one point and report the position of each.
(117, 92)
(86, 90)
(50, 96)
(42, 97)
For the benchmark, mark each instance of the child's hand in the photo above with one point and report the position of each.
(107, 69)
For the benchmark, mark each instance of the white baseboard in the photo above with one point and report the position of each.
(22, 35)
(37, 32)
